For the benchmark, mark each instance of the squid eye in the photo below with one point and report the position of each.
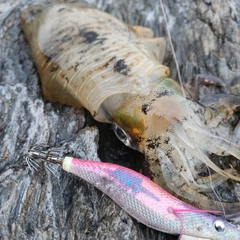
(219, 226)
(123, 136)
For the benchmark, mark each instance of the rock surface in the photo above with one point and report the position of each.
(43, 205)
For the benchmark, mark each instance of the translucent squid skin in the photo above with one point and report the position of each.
(147, 202)
(88, 58)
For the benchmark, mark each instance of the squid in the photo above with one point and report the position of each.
(87, 58)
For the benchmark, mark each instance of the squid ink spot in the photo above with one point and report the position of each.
(121, 67)
(82, 52)
(76, 66)
(59, 33)
(35, 10)
(146, 108)
(47, 59)
(101, 40)
(111, 59)
(66, 39)
(52, 54)
(54, 68)
(106, 65)
(166, 141)
(163, 93)
(64, 10)
(199, 111)
(151, 146)
(90, 36)
(153, 143)
(108, 62)
(61, 9)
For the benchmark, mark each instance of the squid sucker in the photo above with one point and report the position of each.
(87, 58)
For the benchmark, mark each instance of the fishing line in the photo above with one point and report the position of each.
(184, 94)
(172, 48)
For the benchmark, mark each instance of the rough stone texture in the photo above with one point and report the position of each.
(43, 205)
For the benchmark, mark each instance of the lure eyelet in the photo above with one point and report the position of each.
(123, 136)
(219, 226)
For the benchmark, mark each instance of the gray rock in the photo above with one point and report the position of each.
(55, 205)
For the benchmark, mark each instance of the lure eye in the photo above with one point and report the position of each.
(219, 226)
(123, 136)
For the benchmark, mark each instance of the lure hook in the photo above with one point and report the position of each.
(44, 152)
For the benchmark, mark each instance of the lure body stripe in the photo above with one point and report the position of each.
(146, 201)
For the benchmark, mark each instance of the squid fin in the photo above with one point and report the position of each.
(143, 32)
(157, 46)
